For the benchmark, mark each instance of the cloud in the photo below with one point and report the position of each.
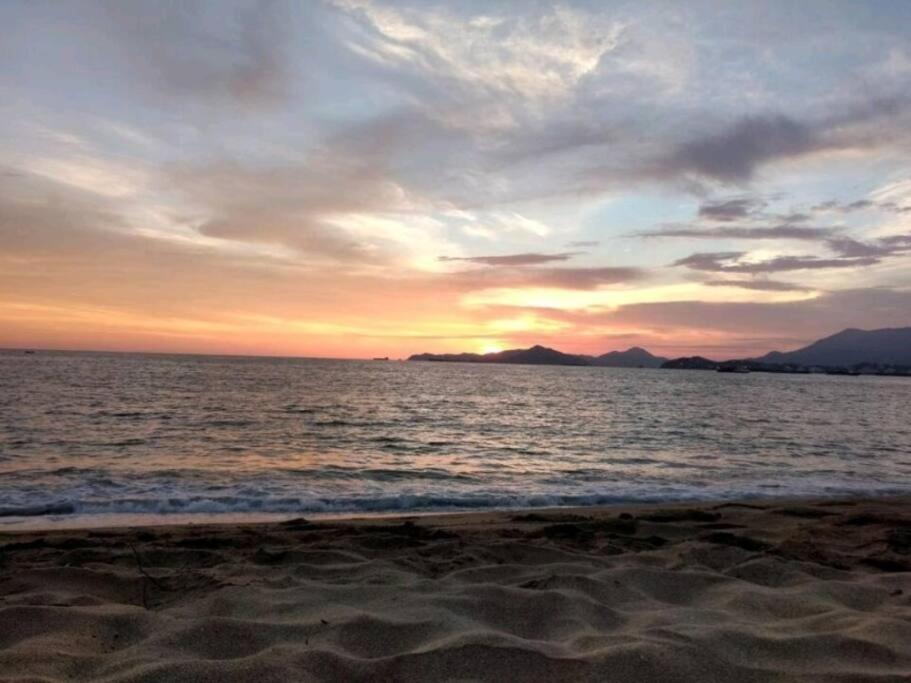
(743, 329)
(759, 285)
(897, 242)
(229, 52)
(77, 271)
(731, 262)
(851, 248)
(794, 217)
(709, 261)
(729, 210)
(537, 56)
(583, 278)
(315, 209)
(732, 155)
(806, 319)
(833, 206)
(558, 278)
(524, 270)
(388, 133)
(850, 253)
(789, 232)
(527, 259)
(891, 245)
(729, 149)
(40, 220)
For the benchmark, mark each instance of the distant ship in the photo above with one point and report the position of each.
(383, 358)
(29, 352)
(740, 369)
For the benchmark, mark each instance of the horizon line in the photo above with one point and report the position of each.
(37, 349)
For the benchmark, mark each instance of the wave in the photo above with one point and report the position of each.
(255, 504)
(47, 510)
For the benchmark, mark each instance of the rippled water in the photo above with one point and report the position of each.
(127, 434)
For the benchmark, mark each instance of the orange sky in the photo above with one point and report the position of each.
(381, 178)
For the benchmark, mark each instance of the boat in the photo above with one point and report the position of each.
(383, 358)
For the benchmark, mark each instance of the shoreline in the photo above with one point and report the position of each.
(750, 590)
(126, 521)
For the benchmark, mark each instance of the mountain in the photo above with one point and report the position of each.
(536, 355)
(886, 347)
(690, 363)
(891, 346)
(634, 357)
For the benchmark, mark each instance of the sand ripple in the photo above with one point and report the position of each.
(813, 592)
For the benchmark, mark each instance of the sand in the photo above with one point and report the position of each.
(758, 591)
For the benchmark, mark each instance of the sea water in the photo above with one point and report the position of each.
(125, 437)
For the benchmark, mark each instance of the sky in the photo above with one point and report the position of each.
(359, 178)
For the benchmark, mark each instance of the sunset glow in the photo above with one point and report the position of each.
(490, 348)
(373, 178)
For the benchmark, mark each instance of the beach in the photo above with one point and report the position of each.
(391, 340)
(756, 590)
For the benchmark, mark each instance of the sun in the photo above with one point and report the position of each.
(491, 348)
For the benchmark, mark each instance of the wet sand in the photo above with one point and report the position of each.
(751, 591)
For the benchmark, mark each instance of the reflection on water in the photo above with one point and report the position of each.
(108, 433)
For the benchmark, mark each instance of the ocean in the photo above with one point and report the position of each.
(129, 438)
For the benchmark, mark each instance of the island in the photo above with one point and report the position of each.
(850, 352)
(542, 355)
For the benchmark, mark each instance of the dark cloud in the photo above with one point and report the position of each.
(730, 210)
(850, 253)
(860, 205)
(790, 232)
(730, 262)
(845, 246)
(790, 263)
(759, 285)
(897, 242)
(892, 245)
(733, 155)
(527, 259)
(708, 261)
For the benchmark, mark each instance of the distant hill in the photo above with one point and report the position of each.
(690, 363)
(536, 355)
(891, 346)
(879, 350)
(634, 357)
